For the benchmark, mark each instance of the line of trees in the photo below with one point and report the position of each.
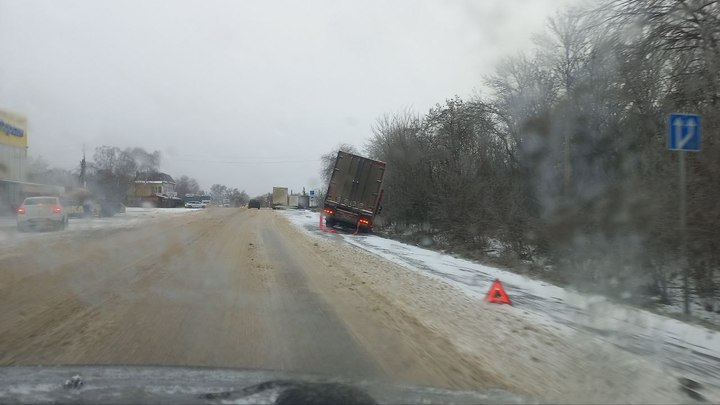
(185, 185)
(237, 198)
(107, 174)
(111, 169)
(564, 161)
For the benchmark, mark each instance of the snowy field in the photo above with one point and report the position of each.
(685, 350)
(132, 217)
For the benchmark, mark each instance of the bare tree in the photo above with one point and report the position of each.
(186, 185)
(112, 169)
(566, 157)
(40, 172)
(217, 191)
(237, 197)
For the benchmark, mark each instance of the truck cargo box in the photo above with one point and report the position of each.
(355, 191)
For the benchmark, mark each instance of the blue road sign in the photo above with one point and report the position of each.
(684, 132)
(312, 193)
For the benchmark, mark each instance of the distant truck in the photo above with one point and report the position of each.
(355, 191)
(280, 198)
(294, 201)
(299, 201)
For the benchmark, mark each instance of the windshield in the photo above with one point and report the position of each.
(465, 194)
(40, 201)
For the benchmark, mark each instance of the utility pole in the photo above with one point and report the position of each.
(83, 168)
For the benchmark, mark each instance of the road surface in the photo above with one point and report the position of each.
(248, 289)
(228, 287)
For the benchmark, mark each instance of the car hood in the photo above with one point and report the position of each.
(186, 385)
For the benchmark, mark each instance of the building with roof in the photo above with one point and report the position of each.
(153, 188)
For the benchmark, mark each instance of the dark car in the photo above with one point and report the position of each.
(254, 204)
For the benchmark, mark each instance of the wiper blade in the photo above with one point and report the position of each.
(250, 390)
(299, 392)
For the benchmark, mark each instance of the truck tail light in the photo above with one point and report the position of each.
(329, 211)
(364, 221)
(21, 210)
(57, 210)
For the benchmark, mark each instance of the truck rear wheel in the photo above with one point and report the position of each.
(329, 222)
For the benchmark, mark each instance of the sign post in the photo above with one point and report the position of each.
(684, 136)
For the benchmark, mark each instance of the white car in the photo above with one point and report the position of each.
(194, 204)
(36, 212)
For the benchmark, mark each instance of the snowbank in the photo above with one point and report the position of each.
(685, 350)
(132, 217)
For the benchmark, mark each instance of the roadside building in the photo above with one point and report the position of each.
(13, 162)
(13, 147)
(14, 172)
(153, 188)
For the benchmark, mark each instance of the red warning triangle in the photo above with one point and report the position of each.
(497, 294)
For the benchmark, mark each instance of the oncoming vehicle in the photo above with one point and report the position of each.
(194, 204)
(254, 204)
(41, 212)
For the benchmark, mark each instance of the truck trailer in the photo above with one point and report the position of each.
(355, 192)
(279, 198)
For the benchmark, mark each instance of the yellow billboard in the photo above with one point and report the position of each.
(13, 129)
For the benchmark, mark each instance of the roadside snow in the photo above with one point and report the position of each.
(139, 212)
(684, 349)
(131, 218)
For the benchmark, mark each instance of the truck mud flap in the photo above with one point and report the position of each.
(322, 225)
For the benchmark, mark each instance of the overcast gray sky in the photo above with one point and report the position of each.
(243, 93)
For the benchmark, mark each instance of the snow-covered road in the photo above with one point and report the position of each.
(685, 350)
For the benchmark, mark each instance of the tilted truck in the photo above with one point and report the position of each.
(355, 191)
(279, 198)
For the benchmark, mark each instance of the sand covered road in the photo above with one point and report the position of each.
(228, 287)
(248, 289)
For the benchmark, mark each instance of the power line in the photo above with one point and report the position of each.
(241, 162)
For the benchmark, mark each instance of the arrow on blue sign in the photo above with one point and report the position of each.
(684, 132)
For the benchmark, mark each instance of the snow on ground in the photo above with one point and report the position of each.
(132, 217)
(685, 350)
